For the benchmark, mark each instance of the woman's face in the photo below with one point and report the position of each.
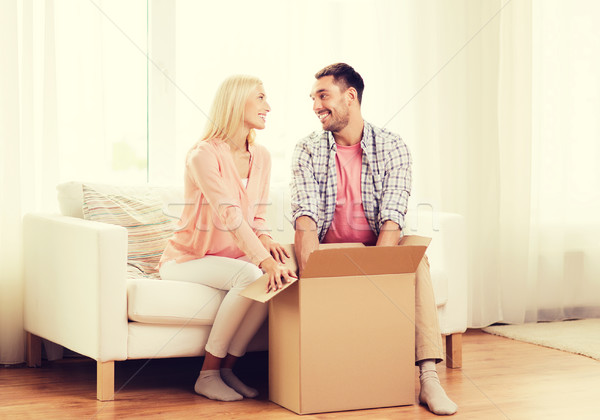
(255, 112)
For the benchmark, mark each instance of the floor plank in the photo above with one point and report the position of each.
(500, 379)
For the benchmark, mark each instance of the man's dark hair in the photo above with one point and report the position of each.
(344, 76)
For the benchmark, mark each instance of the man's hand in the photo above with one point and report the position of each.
(306, 240)
(390, 234)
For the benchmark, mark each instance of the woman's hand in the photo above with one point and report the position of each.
(277, 251)
(276, 273)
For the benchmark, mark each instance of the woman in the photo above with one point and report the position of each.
(223, 240)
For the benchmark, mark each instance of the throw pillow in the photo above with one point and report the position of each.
(148, 228)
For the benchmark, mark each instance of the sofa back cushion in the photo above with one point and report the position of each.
(70, 196)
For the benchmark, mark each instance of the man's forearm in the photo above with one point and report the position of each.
(306, 240)
(390, 234)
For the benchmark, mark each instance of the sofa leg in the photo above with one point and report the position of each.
(34, 350)
(105, 381)
(454, 351)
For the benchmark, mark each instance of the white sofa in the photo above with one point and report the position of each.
(81, 293)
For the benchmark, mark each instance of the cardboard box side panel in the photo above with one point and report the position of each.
(284, 349)
(406, 313)
(357, 342)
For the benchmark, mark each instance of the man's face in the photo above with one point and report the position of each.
(329, 103)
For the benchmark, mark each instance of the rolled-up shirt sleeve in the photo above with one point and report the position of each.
(396, 185)
(304, 187)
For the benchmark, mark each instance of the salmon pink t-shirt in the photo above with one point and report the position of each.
(349, 222)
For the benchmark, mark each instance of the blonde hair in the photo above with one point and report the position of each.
(226, 116)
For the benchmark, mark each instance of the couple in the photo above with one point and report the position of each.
(225, 243)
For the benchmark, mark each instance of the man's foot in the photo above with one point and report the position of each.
(210, 384)
(432, 394)
(234, 382)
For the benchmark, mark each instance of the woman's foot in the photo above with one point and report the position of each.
(210, 385)
(234, 382)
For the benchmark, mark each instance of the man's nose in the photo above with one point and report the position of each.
(316, 105)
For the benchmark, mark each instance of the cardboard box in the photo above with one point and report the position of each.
(342, 337)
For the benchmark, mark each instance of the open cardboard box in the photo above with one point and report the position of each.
(342, 337)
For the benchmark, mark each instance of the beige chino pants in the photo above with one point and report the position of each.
(428, 338)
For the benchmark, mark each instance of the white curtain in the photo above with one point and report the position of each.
(29, 163)
(506, 134)
(11, 333)
(73, 106)
(565, 281)
(498, 101)
(527, 164)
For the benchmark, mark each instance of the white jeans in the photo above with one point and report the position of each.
(238, 318)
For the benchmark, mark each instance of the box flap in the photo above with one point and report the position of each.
(341, 245)
(351, 259)
(367, 261)
(258, 289)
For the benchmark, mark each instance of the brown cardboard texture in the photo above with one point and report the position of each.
(342, 337)
(258, 289)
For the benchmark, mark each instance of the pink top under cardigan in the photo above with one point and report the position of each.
(222, 217)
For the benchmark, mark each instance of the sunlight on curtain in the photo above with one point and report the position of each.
(101, 90)
(284, 44)
(11, 295)
(73, 107)
(532, 199)
(566, 149)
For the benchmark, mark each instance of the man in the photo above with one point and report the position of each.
(351, 183)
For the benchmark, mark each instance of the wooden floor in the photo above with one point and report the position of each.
(500, 379)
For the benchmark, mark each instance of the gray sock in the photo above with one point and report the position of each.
(432, 394)
(233, 381)
(210, 384)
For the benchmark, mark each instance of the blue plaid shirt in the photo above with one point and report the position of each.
(385, 178)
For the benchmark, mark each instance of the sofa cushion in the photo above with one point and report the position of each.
(148, 227)
(172, 302)
(70, 199)
(70, 196)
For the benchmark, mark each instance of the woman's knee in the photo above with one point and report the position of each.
(247, 275)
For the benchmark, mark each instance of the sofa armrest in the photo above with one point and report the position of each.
(448, 254)
(75, 284)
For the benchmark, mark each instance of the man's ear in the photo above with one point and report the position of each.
(351, 95)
